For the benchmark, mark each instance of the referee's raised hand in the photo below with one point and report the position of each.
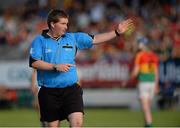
(125, 25)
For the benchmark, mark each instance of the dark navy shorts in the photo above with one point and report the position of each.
(58, 103)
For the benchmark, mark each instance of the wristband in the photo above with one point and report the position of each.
(116, 32)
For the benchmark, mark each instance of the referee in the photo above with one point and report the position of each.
(53, 55)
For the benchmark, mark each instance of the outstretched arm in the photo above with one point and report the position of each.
(122, 27)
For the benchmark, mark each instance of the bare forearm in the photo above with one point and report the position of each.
(42, 65)
(100, 38)
(122, 27)
(33, 77)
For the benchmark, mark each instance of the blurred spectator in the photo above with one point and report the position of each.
(176, 44)
(168, 96)
(97, 11)
(7, 97)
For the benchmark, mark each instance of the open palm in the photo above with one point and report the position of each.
(125, 25)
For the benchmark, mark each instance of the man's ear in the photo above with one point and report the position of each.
(52, 24)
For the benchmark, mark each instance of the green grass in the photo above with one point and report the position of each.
(93, 117)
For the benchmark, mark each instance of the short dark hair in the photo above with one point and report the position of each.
(54, 16)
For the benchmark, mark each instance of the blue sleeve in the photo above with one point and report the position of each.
(36, 49)
(83, 40)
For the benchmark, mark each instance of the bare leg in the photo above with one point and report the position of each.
(146, 106)
(76, 119)
(54, 124)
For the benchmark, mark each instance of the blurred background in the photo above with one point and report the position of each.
(104, 70)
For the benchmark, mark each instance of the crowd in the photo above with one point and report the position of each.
(159, 20)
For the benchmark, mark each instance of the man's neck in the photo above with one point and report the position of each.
(52, 35)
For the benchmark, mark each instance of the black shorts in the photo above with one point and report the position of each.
(58, 103)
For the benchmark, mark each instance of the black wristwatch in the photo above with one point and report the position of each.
(54, 67)
(116, 32)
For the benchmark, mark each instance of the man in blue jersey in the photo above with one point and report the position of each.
(53, 55)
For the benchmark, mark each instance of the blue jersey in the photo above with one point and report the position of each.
(61, 51)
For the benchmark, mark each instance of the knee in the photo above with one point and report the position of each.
(76, 119)
(76, 123)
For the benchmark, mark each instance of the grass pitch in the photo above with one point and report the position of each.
(95, 117)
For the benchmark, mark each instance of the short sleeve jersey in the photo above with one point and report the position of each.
(147, 62)
(61, 51)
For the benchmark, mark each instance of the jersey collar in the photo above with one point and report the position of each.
(45, 35)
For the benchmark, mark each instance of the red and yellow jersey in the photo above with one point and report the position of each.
(148, 63)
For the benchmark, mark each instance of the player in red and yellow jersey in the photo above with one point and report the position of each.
(146, 71)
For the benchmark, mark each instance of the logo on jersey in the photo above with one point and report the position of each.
(48, 50)
(31, 51)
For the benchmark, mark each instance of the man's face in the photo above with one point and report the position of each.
(60, 27)
(140, 46)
